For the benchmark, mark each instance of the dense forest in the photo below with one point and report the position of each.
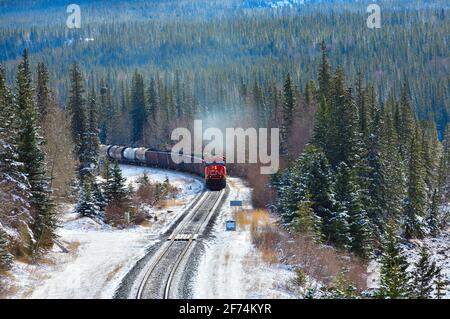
(363, 115)
(221, 48)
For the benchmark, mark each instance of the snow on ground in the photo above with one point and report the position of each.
(99, 255)
(439, 248)
(231, 266)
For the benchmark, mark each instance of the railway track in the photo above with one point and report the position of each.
(158, 279)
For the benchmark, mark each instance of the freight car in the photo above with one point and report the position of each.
(213, 170)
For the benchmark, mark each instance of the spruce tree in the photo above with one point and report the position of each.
(441, 284)
(423, 276)
(393, 275)
(31, 155)
(416, 197)
(348, 204)
(116, 190)
(79, 119)
(288, 113)
(138, 107)
(93, 143)
(434, 220)
(324, 73)
(405, 121)
(306, 222)
(14, 186)
(86, 205)
(392, 173)
(42, 93)
(6, 258)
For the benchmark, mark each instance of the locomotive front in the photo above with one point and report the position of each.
(215, 173)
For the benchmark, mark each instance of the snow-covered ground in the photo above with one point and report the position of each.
(99, 256)
(231, 266)
(439, 248)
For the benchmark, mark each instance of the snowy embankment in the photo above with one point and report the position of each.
(99, 256)
(439, 248)
(231, 266)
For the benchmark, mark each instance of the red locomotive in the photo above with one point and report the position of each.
(215, 173)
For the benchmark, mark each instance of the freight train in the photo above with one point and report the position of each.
(212, 169)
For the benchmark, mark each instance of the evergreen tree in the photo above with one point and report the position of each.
(416, 198)
(138, 108)
(105, 109)
(310, 92)
(361, 105)
(306, 222)
(42, 93)
(79, 119)
(341, 288)
(6, 258)
(357, 229)
(393, 274)
(434, 220)
(288, 112)
(375, 182)
(93, 143)
(14, 186)
(31, 155)
(441, 284)
(324, 73)
(405, 121)
(392, 173)
(322, 120)
(86, 204)
(423, 276)
(116, 190)
(309, 176)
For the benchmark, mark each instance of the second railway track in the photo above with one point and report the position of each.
(159, 277)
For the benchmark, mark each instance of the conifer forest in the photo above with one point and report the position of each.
(351, 99)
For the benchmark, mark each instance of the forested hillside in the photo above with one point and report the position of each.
(224, 47)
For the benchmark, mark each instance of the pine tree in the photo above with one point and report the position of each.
(434, 220)
(86, 205)
(405, 122)
(373, 202)
(6, 258)
(138, 108)
(341, 288)
(393, 275)
(423, 276)
(93, 143)
(14, 186)
(306, 222)
(309, 175)
(321, 137)
(324, 73)
(79, 119)
(392, 173)
(348, 202)
(42, 93)
(416, 198)
(115, 190)
(288, 112)
(441, 284)
(31, 155)
(310, 92)
(363, 114)
(99, 196)
(105, 109)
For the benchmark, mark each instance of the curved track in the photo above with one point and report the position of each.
(158, 280)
